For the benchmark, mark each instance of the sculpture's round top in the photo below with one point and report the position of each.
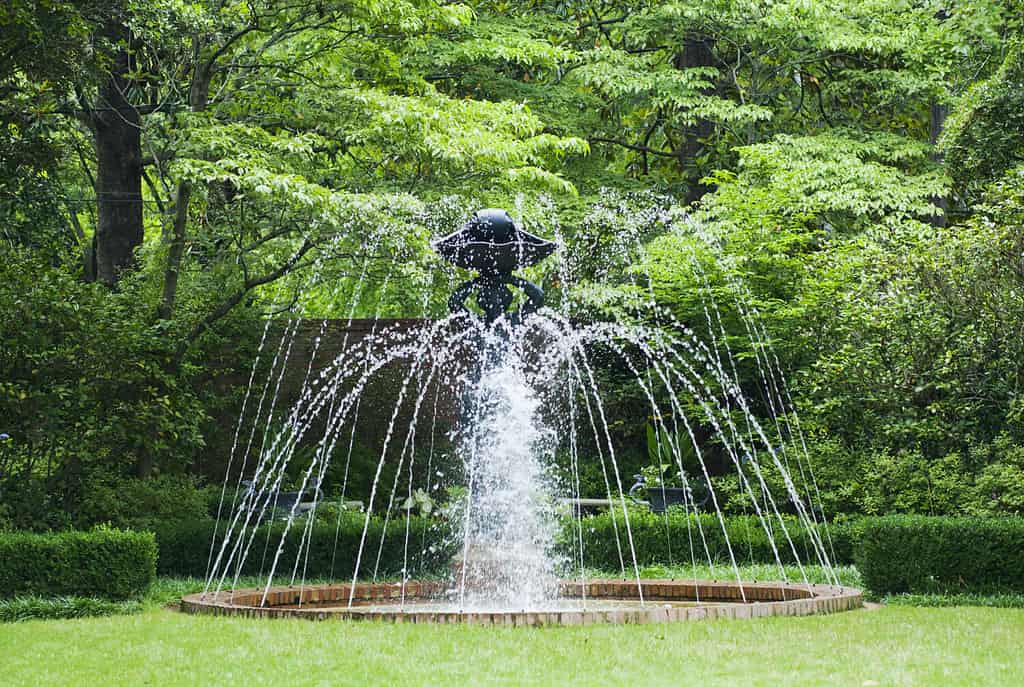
(492, 244)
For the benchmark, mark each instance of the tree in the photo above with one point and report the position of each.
(35, 81)
(986, 136)
(231, 159)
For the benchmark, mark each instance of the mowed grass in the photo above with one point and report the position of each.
(933, 647)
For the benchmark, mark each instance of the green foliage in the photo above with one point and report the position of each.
(905, 360)
(144, 504)
(914, 393)
(926, 555)
(985, 136)
(843, 179)
(674, 461)
(34, 83)
(102, 562)
(332, 548)
(666, 540)
(495, 39)
(314, 150)
(23, 608)
(661, 475)
(994, 600)
(647, 81)
(421, 502)
(91, 393)
(983, 479)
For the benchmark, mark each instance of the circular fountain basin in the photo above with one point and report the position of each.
(580, 603)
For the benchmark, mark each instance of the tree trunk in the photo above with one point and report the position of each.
(175, 252)
(198, 97)
(118, 140)
(144, 465)
(696, 52)
(937, 114)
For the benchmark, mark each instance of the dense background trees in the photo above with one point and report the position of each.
(173, 172)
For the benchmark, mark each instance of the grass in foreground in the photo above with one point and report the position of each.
(890, 646)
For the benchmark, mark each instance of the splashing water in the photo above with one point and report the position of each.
(509, 522)
(523, 393)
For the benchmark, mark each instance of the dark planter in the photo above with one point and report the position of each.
(286, 500)
(662, 497)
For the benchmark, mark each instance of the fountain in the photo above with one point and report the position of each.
(509, 365)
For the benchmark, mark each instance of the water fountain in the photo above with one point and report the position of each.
(508, 365)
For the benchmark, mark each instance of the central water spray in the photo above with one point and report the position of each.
(509, 521)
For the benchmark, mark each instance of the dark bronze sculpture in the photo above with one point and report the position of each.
(491, 244)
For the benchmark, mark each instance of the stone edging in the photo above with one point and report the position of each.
(763, 599)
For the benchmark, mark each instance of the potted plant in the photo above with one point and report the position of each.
(290, 493)
(664, 484)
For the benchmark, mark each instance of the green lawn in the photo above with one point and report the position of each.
(933, 647)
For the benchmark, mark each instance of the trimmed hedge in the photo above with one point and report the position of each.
(103, 562)
(661, 539)
(913, 553)
(894, 554)
(185, 547)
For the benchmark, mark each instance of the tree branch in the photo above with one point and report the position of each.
(632, 146)
(153, 189)
(207, 68)
(227, 305)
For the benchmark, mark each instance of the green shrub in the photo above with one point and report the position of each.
(219, 500)
(39, 608)
(102, 562)
(141, 504)
(990, 600)
(908, 553)
(91, 392)
(665, 539)
(185, 546)
(842, 538)
(911, 401)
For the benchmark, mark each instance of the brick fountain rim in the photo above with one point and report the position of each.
(717, 600)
